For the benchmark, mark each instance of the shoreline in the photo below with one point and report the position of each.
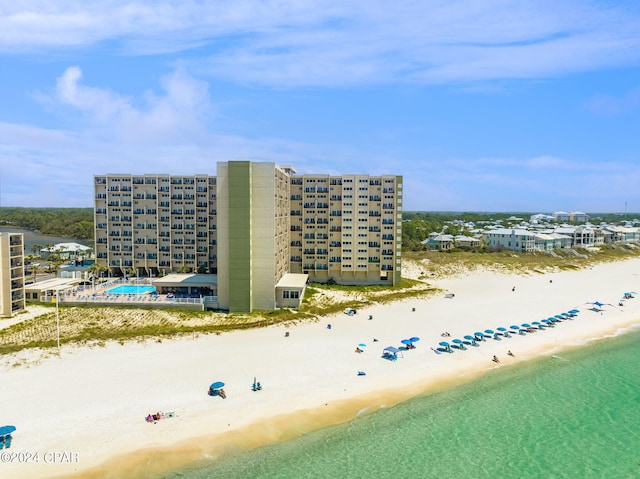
(311, 375)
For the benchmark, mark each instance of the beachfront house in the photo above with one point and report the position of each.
(439, 242)
(510, 238)
(463, 241)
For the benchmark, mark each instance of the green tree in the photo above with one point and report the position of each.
(35, 249)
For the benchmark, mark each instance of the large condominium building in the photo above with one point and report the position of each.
(252, 225)
(11, 274)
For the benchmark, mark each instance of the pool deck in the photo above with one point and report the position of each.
(100, 295)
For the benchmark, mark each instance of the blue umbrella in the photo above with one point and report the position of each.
(414, 339)
(538, 324)
(471, 339)
(406, 341)
(503, 331)
(6, 430)
(459, 342)
(574, 310)
(362, 345)
(526, 325)
(444, 343)
(514, 327)
(489, 331)
(217, 385)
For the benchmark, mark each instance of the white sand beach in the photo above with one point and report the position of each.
(88, 404)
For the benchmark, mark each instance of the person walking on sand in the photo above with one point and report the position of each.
(510, 353)
(495, 359)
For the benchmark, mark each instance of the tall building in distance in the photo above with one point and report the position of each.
(12, 299)
(255, 226)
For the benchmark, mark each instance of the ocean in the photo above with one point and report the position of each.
(572, 415)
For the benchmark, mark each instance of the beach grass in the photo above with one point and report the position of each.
(437, 264)
(98, 324)
(86, 324)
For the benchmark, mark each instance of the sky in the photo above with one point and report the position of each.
(487, 105)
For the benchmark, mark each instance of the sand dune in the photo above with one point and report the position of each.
(91, 403)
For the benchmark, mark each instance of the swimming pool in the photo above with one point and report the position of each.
(131, 289)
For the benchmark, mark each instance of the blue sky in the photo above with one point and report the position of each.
(488, 105)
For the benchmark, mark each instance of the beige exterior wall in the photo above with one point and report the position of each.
(263, 234)
(153, 224)
(12, 297)
(347, 228)
(251, 224)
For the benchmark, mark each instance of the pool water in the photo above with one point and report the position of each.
(131, 289)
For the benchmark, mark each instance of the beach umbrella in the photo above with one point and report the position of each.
(526, 325)
(362, 345)
(538, 324)
(414, 339)
(459, 342)
(471, 339)
(444, 344)
(6, 430)
(575, 311)
(406, 341)
(480, 335)
(513, 326)
(217, 385)
(489, 331)
(504, 331)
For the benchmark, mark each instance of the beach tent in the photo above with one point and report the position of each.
(391, 352)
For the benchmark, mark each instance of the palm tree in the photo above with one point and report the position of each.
(96, 270)
(35, 249)
(35, 269)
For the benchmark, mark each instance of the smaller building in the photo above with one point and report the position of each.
(48, 290)
(290, 290)
(66, 251)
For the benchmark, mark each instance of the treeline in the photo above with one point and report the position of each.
(70, 222)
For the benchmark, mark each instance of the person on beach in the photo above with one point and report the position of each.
(510, 353)
(513, 289)
(495, 359)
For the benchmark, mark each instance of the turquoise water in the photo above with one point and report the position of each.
(131, 289)
(575, 415)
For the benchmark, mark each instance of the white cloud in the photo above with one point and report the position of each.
(338, 42)
(177, 113)
(610, 105)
